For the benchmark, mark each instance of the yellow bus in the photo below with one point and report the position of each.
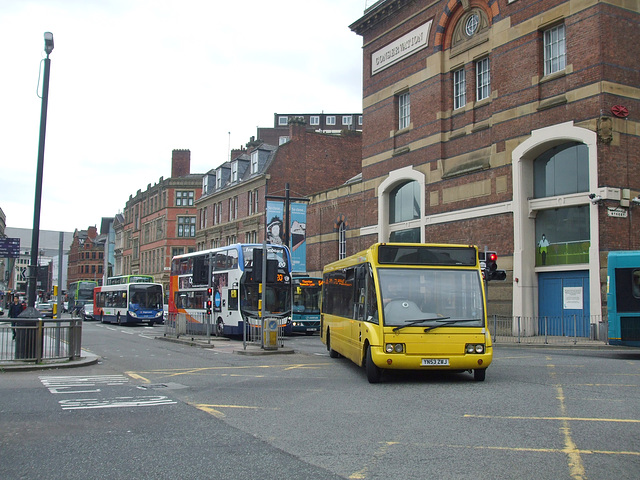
(407, 307)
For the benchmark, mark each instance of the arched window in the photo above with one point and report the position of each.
(404, 202)
(404, 206)
(562, 170)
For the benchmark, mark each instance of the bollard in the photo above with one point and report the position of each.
(270, 333)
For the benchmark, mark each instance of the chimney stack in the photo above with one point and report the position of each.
(180, 163)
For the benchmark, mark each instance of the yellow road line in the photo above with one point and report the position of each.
(560, 418)
(213, 409)
(137, 377)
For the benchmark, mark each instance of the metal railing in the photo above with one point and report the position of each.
(572, 329)
(39, 340)
(188, 325)
(199, 325)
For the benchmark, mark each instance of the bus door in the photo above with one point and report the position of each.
(358, 275)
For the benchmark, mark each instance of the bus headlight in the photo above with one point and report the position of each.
(394, 347)
(474, 348)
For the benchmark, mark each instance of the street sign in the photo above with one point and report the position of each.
(9, 247)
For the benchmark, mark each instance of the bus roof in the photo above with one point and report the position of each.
(415, 254)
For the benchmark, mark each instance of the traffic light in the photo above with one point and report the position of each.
(491, 271)
(209, 304)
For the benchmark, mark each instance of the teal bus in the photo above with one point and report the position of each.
(305, 311)
(623, 298)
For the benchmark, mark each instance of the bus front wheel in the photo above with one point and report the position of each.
(479, 374)
(374, 373)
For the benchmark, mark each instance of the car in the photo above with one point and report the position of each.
(87, 312)
(45, 309)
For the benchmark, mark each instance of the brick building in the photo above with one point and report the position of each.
(232, 206)
(158, 223)
(491, 123)
(86, 256)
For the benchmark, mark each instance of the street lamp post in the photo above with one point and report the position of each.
(35, 234)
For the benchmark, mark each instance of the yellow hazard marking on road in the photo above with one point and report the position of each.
(137, 377)
(213, 409)
(378, 454)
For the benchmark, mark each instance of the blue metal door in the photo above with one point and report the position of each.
(558, 293)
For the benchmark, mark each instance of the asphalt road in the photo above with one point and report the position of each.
(154, 409)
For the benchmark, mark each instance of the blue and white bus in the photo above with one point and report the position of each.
(623, 297)
(227, 278)
(129, 303)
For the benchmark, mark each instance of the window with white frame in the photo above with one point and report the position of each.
(331, 120)
(314, 120)
(186, 226)
(359, 119)
(250, 202)
(404, 110)
(283, 139)
(459, 88)
(483, 79)
(231, 209)
(554, 49)
(254, 161)
(234, 172)
(255, 200)
(184, 198)
(283, 121)
(347, 120)
(219, 179)
(219, 212)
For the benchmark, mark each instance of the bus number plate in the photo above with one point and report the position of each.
(432, 362)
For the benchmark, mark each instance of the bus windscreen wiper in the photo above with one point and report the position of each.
(431, 327)
(410, 323)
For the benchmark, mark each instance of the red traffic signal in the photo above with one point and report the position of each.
(491, 271)
(209, 291)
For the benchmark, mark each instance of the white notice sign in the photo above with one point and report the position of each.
(572, 298)
(407, 45)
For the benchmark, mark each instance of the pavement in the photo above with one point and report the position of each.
(237, 347)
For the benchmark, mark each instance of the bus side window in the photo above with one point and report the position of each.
(360, 292)
(635, 283)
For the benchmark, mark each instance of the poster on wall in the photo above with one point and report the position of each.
(299, 237)
(275, 223)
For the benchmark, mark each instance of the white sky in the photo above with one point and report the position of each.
(131, 80)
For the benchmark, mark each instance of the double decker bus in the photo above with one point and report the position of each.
(229, 278)
(623, 298)
(79, 293)
(305, 311)
(129, 303)
(407, 307)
